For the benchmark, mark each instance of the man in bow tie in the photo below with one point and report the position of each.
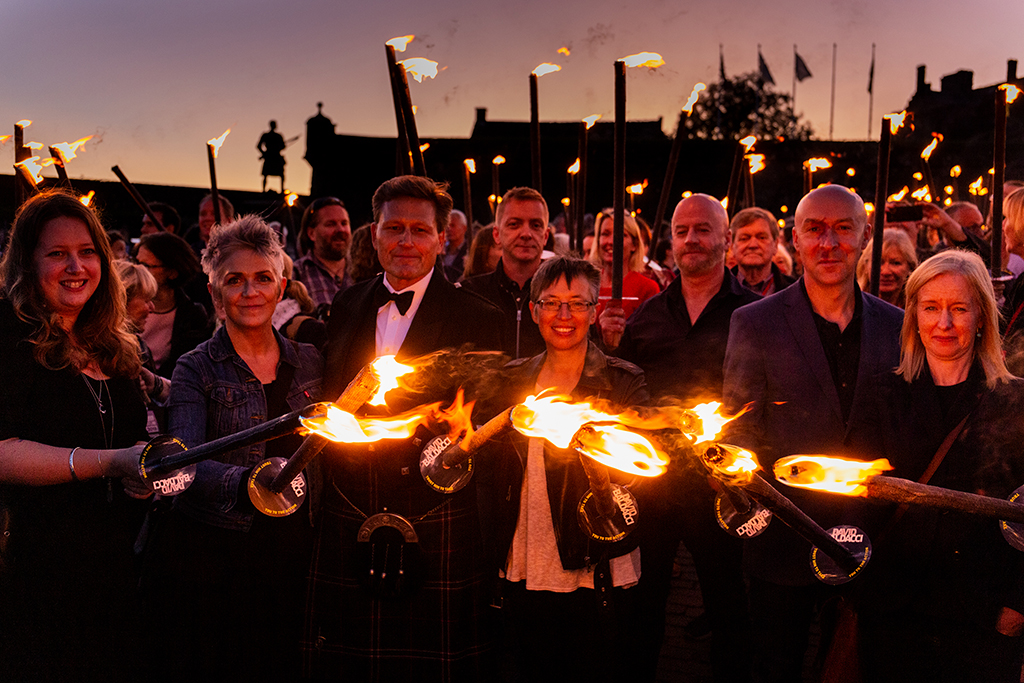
(385, 609)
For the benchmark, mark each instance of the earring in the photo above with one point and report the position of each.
(979, 333)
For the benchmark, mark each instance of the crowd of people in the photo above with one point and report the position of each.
(379, 577)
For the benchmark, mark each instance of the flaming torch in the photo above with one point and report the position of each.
(1004, 97)
(881, 189)
(496, 162)
(21, 154)
(419, 68)
(651, 60)
(670, 171)
(810, 166)
(542, 69)
(743, 147)
(844, 550)
(926, 167)
(755, 164)
(572, 173)
(581, 180)
(865, 479)
(404, 150)
(468, 168)
(272, 486)
(633, 191)
(64, 152)
(212, 148)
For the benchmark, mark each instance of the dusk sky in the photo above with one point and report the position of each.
(155, 79)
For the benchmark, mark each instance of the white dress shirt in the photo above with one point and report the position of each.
(392, 326)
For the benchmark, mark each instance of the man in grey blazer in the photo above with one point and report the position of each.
(802, 360)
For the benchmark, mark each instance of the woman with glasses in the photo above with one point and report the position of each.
(558, 585)
(177, 324)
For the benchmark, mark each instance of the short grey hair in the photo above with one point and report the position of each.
(248, 232)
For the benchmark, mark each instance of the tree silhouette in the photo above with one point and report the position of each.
(741, 106)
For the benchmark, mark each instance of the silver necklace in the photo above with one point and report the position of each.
(108, 435)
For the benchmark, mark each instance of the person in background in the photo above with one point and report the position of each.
(678, 337)
(363, 261)
(899, 258)
(456, 246)
(167, 215)
(636, 288)
(140, 287)
(118, 244)
(521, 230)
(1012, 319)
(755, 240)
(484, 253)
(71, 422)
(324, 239)
(177, 324)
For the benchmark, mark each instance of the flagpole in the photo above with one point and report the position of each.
(794, 80)
(871, 89)
(832, 107)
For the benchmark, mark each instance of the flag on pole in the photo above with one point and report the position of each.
(871, 73)
(721, 63)
(765, 75)
(800, 66)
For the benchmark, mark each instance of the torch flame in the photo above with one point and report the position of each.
(575, 168)
(290, 198)
(748, 142)
(978, 187)
(470, 164)
(546, 68)
(756, 162)
(217, 142)
(69, 151)
(817, 164)
(498, 160)
(926, 154)
(34, 167)
(899, 195)
(955, 171)
(424, 147)
(710, 422)
(922, 194)
(86, 199)
(420, 68)
(4, 138)
(24, 123)
(615, 446)
(824, 473)
(557, 418)
(34, 145)
(896, 121)
(340, 426)
(638, 188)
(1012, 92)
(591, 120)
(565, 201)
(731, 463)
(652, 60)
(388, 370)
(563, 51)
(692, 100)
(400, 43)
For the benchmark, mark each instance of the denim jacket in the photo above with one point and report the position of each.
(214, 394)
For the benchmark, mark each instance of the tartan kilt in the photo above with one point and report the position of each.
(439, 632)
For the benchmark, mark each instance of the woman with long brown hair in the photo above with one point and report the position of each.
(71, 416)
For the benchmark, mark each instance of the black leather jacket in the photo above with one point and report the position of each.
(502, 464)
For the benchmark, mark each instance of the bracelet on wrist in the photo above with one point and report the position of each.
(71, 463)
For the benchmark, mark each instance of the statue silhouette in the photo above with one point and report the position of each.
(271, 145)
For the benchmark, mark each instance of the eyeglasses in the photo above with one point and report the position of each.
(149, 266)
(555, 306)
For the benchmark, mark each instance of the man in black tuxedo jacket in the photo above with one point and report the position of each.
(802, 359)
(382, 607)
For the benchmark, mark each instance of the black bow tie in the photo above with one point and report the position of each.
(383, 295)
